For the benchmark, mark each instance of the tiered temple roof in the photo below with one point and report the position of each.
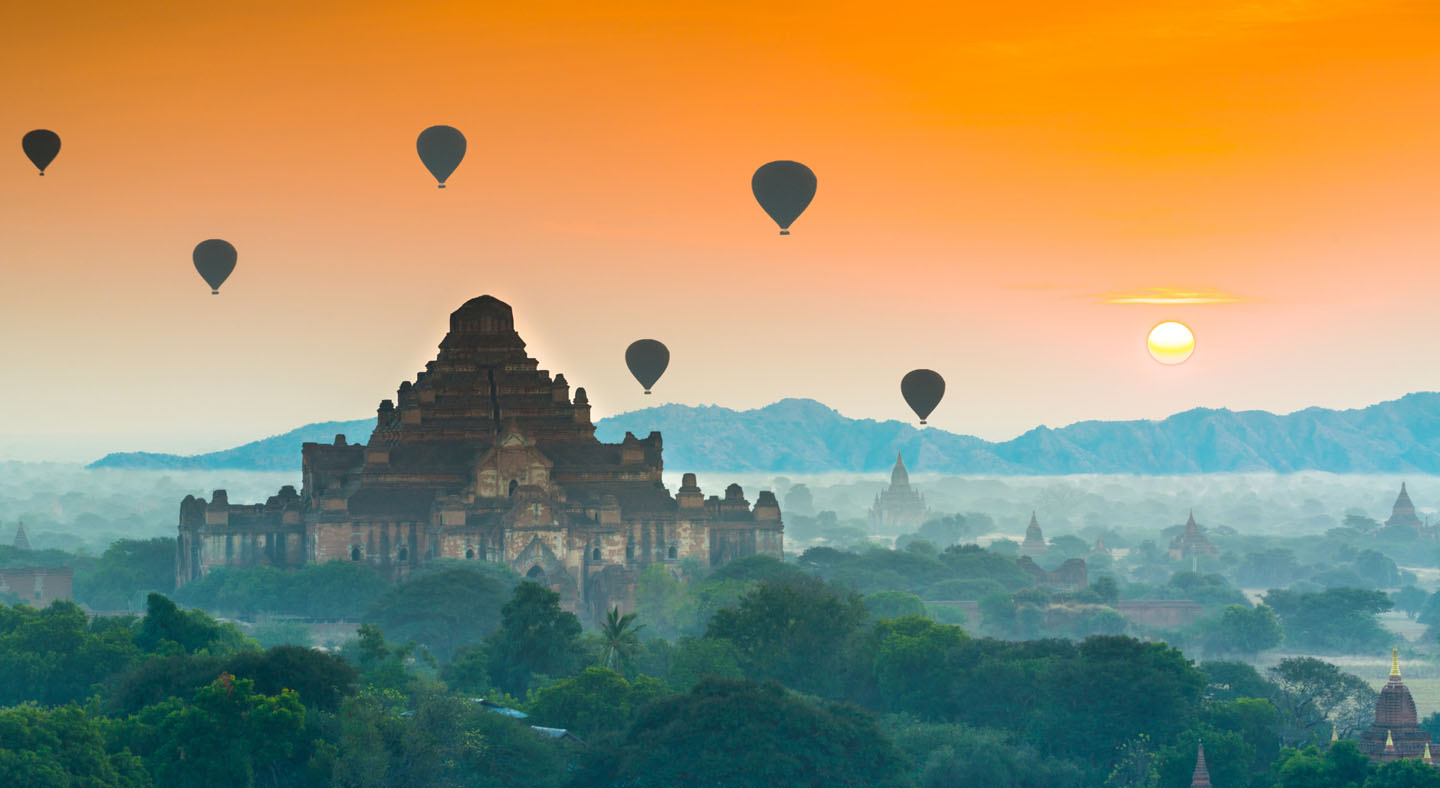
(22, 542)
(485, 456)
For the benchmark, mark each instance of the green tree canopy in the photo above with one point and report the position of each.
(1243, 630)
(442, 611)
(745, 734)
(60, 748)
(793, 632)
(535, 636)
(1336, 620)
(597, 700)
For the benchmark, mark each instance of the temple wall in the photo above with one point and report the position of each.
(692, 540)
(38, 586)
(515, 543)
(770, 542)
(333, 542)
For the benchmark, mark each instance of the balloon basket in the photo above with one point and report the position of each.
(784, 232)
(647, 392)
(42, 174)
(922, 422)
(214, 292)
(440, 186)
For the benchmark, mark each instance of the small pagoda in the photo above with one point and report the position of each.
(1191, 543)
(899, 505)
(21, 542)
(1034, 545)
(1403, 513)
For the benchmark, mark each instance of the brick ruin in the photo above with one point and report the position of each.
(37, 586)
(485, 457)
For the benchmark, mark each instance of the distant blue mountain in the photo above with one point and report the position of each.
(804, 436)
(275, 453)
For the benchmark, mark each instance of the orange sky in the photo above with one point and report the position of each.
(989, 176)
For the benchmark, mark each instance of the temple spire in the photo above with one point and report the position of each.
(1426, 756)
(1395, 663)
(1389, 741)
(1403, 513)
(1334, 733)
(22, 542)
(899, 477)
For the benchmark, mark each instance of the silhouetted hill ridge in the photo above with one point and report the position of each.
(805, 436)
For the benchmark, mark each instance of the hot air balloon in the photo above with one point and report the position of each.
(783, 189)
(923, 389)
(41, 146)
(441, 149)
(647, 360)
(214, 259)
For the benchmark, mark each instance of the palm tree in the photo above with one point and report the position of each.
(620, 634)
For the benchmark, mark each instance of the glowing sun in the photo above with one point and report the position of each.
(1171, 342)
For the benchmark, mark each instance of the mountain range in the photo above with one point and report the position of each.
(805, 436)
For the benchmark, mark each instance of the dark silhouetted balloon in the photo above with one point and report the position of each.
(214, 259)
(42, 146)
(441, 149)
(783, 189)
(647, 360)
(923, 389)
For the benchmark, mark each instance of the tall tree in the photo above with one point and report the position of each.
(621, 637)
(535, 636)
(793, 631)
(1313, 694)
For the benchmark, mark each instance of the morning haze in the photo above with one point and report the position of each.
(577, 395)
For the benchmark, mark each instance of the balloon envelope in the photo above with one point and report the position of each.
(41, 146)
(923, 389)
(784, 189)
(214, 259)
(647, 360)
(441, 149)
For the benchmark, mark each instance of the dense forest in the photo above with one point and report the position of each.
(755, 673)
(918, 659)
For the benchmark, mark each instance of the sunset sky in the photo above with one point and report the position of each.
(1001, 188)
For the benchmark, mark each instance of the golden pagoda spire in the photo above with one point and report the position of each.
(1389, 742)
(1334, 734)
(1426, 756)
(1395, 663)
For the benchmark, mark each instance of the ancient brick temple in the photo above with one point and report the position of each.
(1396, 732)
(485, 457)
(899, 505)
(1191, 543)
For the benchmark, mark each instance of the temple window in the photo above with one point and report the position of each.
(354, 554)
(535, 572)
(404, 554)
(595, 554)
(469, 553)
(672, 551)
(514, 485)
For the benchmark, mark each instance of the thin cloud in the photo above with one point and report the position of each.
(1171, 296)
